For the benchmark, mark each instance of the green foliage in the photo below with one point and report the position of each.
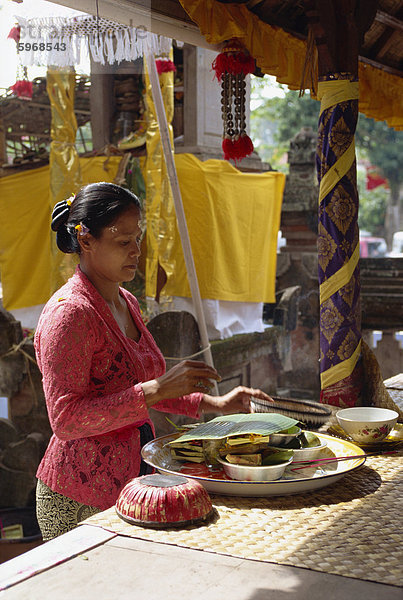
(384, 149)
(277, 120)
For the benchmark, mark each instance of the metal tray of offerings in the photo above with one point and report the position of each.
(157, 454)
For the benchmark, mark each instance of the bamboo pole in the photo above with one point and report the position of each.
(177, 198)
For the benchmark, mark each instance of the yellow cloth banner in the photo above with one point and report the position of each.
(233, 220)
(159, 205)
(25, 253)
(280, 54)
(64, 164)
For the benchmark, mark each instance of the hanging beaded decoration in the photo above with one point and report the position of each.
(22, 88)
(231, 66)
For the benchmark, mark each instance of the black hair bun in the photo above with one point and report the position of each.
(60, 215)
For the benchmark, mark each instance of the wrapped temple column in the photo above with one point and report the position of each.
(338, 242)
(341, 370)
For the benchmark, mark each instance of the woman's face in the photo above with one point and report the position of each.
(113, 257)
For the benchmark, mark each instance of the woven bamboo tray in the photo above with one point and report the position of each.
(351, 528)
(311, 414)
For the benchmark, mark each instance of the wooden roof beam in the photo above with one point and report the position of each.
(21, 102)
(379, 52)
(389, 20)
(333, 21)
(393, 27)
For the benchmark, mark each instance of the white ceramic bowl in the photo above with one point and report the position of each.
(309, 453)
(367, 424)
(253, 472)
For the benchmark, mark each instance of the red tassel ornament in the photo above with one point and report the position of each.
(23, 89)
(164, 65)
(234, 59)
(236, 149)
(231, 67)
(15, 34)
(245, 145)
(228, 148)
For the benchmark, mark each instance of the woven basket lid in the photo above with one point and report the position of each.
(162, 500)
(306, 411)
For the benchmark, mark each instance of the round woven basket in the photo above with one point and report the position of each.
(162, 501)
(311, 414)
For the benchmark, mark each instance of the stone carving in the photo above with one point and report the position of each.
(24, 436)
(301, 188)
(297, 264)
(12, 363)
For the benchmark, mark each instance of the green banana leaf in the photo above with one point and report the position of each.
(239, 424)
(277, 457)
(309, 440)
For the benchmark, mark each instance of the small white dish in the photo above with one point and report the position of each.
(282, 438)
(367, 424)
(309, 453)
(254, 472)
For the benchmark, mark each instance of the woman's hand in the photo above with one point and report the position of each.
(235, 401)
(184, 378)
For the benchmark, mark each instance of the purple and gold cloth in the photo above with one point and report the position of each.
(338, 241)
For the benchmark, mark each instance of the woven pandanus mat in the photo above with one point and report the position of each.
(351, 528)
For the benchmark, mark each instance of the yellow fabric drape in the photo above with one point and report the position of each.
(280, 54)
(25, 210)
(233, 220)
(160, 210)
(25, 258)
(65, 175)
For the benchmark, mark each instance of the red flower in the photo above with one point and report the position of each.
(22, 89)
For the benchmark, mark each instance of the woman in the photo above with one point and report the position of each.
(101, 367)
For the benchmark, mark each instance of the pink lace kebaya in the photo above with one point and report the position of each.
(92, 376)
